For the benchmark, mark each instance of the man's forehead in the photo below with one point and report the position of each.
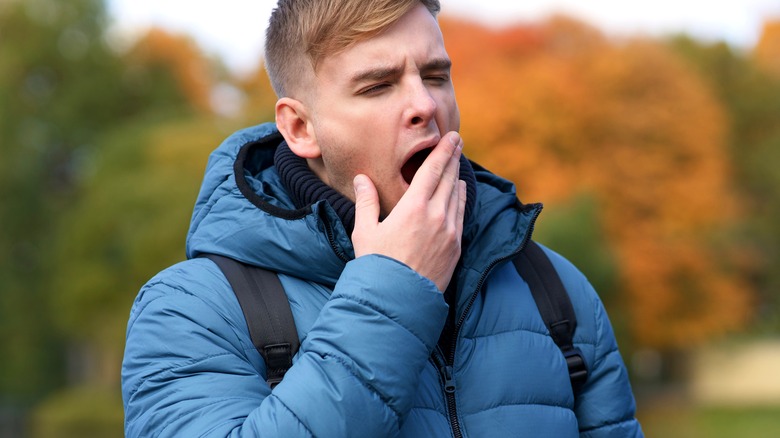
(365, 57)
(412, 43)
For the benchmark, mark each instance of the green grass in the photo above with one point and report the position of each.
(677, 421)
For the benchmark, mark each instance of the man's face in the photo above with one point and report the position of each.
(381, 105)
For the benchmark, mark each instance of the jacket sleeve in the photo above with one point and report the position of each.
(606, 407)
(190, 368)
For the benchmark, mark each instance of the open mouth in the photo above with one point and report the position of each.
(409, 169)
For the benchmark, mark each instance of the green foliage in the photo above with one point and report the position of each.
(710, 422)
(57, 81)
(79, 412)
(575, 230)
(129, 222)
(68, 104)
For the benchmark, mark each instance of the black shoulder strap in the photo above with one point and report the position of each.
(267, 313)
(554, 306)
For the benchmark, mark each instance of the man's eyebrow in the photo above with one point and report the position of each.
(437, 64)
(376, 74)
(383, 72)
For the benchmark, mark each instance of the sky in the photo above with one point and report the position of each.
(233, 29)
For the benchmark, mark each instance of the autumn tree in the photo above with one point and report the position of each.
(750, 89)
(569, 114)
(171, 67)
(767, 50)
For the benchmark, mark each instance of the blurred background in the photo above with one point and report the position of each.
(653, 143)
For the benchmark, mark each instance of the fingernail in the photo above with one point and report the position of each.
(455, 139)
(359, 183)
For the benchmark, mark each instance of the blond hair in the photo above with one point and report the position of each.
(302, 32)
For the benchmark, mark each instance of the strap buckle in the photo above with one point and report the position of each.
(578, 368)
(278, 359)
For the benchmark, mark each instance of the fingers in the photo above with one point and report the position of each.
(456, 207)
(448, 183)
(461, 214)
(441, 165)
(366, 204)
(424, 229)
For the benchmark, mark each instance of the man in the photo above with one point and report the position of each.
(394, 253)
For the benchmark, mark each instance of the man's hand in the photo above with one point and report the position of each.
(424, 229)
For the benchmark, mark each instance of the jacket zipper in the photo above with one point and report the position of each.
(448, 382)
(333, 245)
(446, 369)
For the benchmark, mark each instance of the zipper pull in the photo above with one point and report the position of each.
(449, 379)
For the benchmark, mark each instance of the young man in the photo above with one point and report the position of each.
(395, 254)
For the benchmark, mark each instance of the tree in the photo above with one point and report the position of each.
(171, 68)
(129, 222)
(566, 113)
(58, 86)
(63, 89)
(749, 86)
(767, 51)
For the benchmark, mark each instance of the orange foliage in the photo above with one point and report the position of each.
(767, 51)
(561, 110)
(182, 57)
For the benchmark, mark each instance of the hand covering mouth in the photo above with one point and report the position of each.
(412, 165)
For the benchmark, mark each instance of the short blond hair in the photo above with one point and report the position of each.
(302, 32)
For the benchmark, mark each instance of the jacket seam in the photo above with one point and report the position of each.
(281, 402)
(600, 359)
(137, 312)
(381, 311)
(236, 420)
(166, 371)
(610, 424)
(502, 405)
(425, 408)
(599, 325)
(177, 418)
(549, 405)
(534, 332)
(174, 288)
(145, 303)
(363, 382)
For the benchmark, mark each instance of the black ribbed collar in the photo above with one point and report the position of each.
(306, 188)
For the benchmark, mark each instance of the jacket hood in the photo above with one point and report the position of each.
(243, 211)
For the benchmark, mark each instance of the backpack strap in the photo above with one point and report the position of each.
(555, 307)
(267, 313)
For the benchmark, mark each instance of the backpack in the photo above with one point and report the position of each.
(272, 328)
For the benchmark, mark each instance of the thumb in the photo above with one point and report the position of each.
(366, 202)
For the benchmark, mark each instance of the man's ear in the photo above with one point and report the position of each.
(294, 123)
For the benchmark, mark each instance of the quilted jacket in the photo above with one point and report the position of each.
(369, 364)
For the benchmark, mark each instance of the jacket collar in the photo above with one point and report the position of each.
(246, 211)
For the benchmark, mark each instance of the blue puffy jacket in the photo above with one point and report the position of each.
(369, 365)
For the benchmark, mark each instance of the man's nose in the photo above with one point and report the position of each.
(422, 106)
